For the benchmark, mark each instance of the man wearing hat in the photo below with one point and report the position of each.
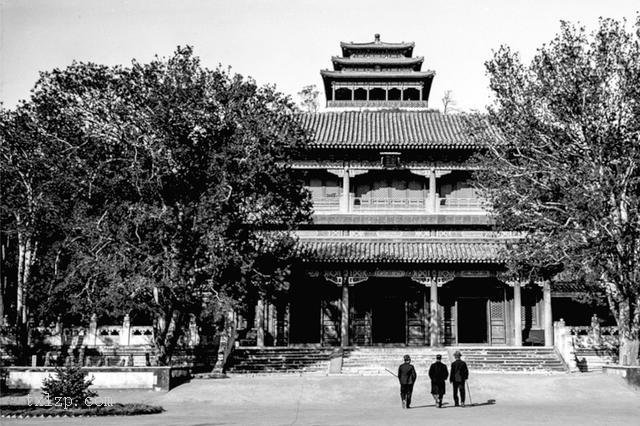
(459, 375)
(438, 374)
(407, 377)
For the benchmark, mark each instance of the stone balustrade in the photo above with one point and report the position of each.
(388, 204)
(408, 205)
(377, 104)
(587, 348)
(326, 203)
(460, 204)
(94, 336)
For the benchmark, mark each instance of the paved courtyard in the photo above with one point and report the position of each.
(586, 399)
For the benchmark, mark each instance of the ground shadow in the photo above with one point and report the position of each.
(15, 392)
(444, 404)
(477, 404)
(422, 406)
(480, 404)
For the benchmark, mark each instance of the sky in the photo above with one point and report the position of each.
(285, 43)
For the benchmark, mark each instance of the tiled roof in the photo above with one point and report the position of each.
(378, 45)
(377, 60)
(397, 251)
(387, 129)
(570, 287)
(416, 75)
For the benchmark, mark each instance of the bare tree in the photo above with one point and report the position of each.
(448, 103)
(309, 98)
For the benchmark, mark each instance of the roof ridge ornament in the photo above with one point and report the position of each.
(377, 38)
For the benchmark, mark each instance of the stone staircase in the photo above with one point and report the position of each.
(511, 359)
(593, 359)
(370, 361)
(280, 360)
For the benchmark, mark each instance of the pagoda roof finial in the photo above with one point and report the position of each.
(377, 37)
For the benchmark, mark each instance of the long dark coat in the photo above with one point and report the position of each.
(406, 374)
(459, 371)
(438, 374)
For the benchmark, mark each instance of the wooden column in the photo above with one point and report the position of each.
(260, 323)
(333, 93)
(287, 322)
(433, 196)
(517, 314)
(548, 318)
(426, 308)
(344, 314)
(434, 324)
(345, 202)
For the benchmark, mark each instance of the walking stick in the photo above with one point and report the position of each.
(469, 392)
(390, 372)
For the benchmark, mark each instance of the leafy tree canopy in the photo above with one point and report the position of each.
(565, 171)
(182, 184)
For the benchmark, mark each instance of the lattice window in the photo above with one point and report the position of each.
(529, 310)
(529, 315)
(497, 310)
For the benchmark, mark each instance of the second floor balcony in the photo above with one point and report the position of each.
(333, 205)
(393, 192)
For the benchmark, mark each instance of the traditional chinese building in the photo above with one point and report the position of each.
(400, 250)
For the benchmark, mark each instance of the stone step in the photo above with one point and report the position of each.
(279, 360)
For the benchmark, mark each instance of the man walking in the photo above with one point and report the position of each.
(407, 377)
(438, 374)
(459, 375)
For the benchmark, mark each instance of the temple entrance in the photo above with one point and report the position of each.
(474, 311)
(472, 315)
(305, 319)
(389, 320)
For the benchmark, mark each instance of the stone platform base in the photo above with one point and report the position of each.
(156, 378)
(630, 374)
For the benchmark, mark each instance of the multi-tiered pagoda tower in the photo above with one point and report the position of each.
(400, 251)
(377, 74)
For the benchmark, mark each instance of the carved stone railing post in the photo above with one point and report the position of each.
(596, 332)
(563, 341)
(92, 333)
(126, 331)
(194, 336)
(260, 323)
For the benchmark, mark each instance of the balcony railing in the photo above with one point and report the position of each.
(388, 204)
(409, 205)
(378, 104)
(323, 204)
(460, 204)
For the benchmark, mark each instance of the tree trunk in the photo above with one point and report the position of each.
(628, 331)
(19, 286)
(227, 342)
(169, 334)
(628, 353)
(160, 337)
(26, 257)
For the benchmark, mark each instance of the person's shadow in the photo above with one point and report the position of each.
(449, 405)
(480, 404)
